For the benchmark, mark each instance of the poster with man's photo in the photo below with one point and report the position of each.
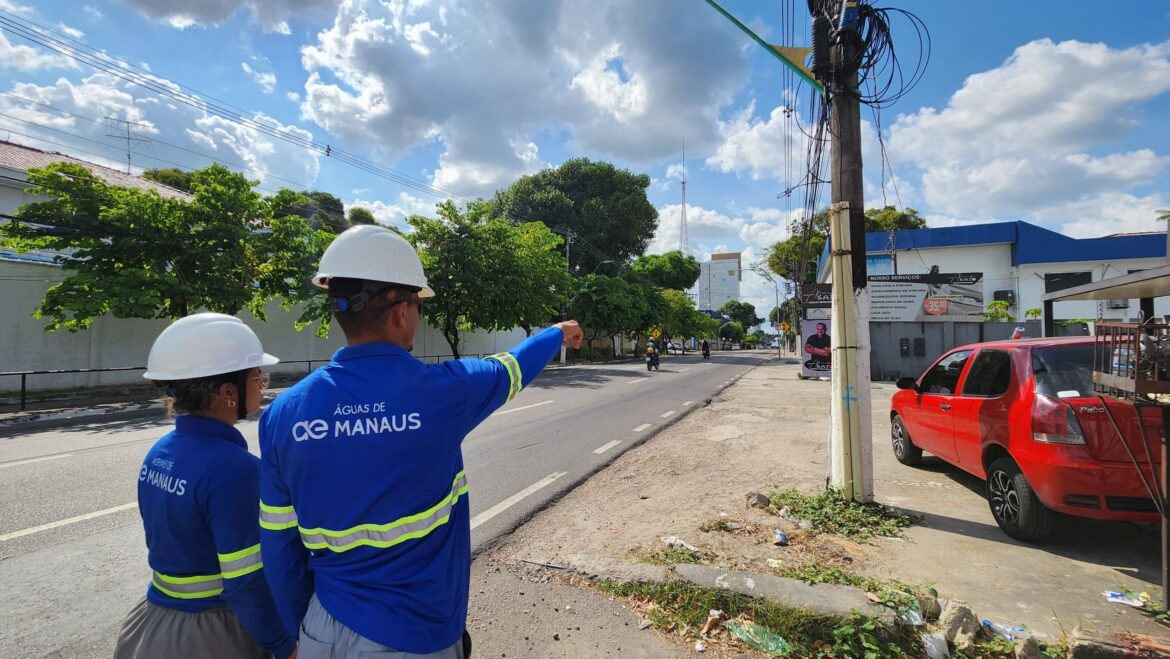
(816, 349)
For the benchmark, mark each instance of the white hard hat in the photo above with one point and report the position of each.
(372, 253)
(205, 344)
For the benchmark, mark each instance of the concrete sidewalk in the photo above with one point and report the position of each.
(769, 430)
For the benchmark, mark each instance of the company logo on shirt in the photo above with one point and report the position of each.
(359, 426)
(162, 480)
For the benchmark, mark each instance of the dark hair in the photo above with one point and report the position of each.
(194, 396)
(372, 315)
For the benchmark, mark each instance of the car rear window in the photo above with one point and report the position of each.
(1064, 371)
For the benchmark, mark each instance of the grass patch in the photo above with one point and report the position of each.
(672, 556)
(830, 512)
(894, 594)
(683, 608)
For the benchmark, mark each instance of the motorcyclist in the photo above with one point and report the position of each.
(706, 349)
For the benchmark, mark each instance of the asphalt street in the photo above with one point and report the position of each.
(72, 558)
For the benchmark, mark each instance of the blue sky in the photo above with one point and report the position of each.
(1053, 113)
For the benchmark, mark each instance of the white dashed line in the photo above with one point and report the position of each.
(72, 520)
(514, 499)
(17, 463)
(689, 402)
(525, 407)
(667, 413)
(642, 427)
(637, 381)
(684, 370)
(605, 447)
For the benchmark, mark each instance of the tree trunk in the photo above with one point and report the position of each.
(451, 333)
(527, 329)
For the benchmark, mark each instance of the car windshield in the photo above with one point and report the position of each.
(1064, 371)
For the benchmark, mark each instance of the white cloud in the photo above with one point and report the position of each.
(14, 8)
(293, 96)
(272, 15)
(158, 119)
(266, 79)
(619, 80)
(71, 32)
(771, 148)
(20, 57)
(396, 213)
(93, 12)
(1034, 138)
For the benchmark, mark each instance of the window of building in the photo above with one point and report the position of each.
(1058, 281)
(990, 375)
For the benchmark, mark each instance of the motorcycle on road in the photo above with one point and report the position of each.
(652, 360)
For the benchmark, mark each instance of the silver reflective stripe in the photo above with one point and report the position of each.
(239, 563)
(387, 535)
(515, 377)
(188, 587)
(277, 518)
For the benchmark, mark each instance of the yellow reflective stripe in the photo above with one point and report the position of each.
(393, 533)
(277, 518)
(239, 563)
(515, 379)
(188, 587)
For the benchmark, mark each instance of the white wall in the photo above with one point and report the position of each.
(113, 342)
(718, 283)
(1032, 286)
(994, 261)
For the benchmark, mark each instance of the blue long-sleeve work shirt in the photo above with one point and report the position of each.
(363, 495)
(198, 493)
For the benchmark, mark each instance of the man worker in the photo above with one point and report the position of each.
(365, 523)
(818, 347)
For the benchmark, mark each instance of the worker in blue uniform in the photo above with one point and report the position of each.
(198, 494)
(366, 533)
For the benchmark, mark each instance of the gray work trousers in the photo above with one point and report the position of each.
(323, 637)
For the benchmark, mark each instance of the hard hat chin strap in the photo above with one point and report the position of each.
(242, 395)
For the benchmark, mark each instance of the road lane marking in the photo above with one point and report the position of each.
(642, 427)
(667, 413)
(524, 407)
(689, 402)
(605, 447)
(637, 381)
(72, 520)
(17, 463)
(514, 499)
(684, 370)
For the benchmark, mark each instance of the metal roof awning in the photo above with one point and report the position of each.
(1151, 283)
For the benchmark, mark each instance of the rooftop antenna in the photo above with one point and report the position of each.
(124, 125)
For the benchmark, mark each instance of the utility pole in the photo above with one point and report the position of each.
(124, 125)
(851, 451)
(684, 241)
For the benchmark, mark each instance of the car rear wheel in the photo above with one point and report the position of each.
(904, 449)
(1014, 504)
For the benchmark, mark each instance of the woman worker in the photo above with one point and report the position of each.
(198, 494)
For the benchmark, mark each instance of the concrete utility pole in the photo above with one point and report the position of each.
(851, 455)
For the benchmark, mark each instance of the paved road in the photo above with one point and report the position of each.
(72, 560)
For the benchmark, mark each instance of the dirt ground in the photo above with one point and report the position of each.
(770, 429)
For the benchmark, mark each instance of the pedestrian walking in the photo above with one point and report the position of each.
(198, 494)
(364, 511)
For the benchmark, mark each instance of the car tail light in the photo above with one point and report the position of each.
(1054, 422)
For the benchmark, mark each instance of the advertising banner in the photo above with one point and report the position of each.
(815, 348)
(930, 297)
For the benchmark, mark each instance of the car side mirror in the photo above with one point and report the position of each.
(907, 383)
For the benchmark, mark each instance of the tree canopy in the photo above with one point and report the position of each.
(743, 313)
(670, 270)
(135, 254)
(170, 177)
(807, 240)
(603, 205)
(359, 215)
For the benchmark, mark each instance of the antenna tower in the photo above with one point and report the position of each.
(684, 241)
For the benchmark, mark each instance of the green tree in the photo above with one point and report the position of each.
(670, 270)
(1163, 214)
(135, 254)
(732, 332)
(605, 306)
(603, 205)
(486, 272)
(170, 177)
(892, 219)
(328, 212)
(742, 312)
(997, 312)
(540, 284)
(359, 215)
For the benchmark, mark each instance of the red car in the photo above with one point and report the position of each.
(1022, 416)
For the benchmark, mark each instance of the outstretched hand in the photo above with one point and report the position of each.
(572, 333)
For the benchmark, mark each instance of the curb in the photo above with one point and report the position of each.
(21, 419)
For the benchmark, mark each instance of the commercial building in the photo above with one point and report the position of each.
(719, 280)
